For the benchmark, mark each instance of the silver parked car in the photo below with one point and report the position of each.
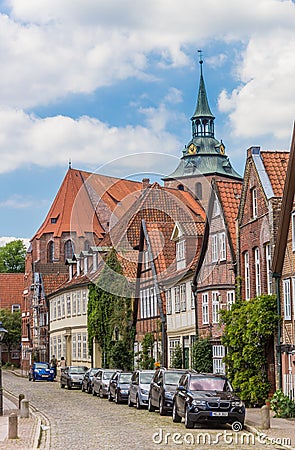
(100, 382)
(139, 388)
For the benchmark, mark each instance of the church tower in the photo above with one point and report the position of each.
(204, 157)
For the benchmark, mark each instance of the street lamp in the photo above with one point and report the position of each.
(2, 334)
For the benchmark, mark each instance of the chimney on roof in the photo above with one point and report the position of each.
(145, 183)
(253, 151)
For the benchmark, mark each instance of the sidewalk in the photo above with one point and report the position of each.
(281, 432)
(28, 429)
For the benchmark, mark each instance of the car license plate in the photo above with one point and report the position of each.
(219, 413)
(44, 376)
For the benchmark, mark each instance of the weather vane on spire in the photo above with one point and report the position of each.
(200, 56)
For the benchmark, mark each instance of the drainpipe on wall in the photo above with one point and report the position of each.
(277, 277)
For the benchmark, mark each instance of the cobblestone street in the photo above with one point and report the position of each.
(80, 421)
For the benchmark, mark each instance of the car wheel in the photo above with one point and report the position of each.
(89, 389)
(117, 401)
(187, 422)
(69, 385)
(162, 409)
(151, 408)
(82, 387)
(110, 398)
(130, 404)
(100, 393)
(175, 417)
(138, 405)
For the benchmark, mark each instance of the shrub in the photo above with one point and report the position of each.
(282, 405)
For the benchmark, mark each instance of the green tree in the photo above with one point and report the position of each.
(202, 355)
(12, 322)
(108, 312)
(146, 359)
(249, 329)
(176, 359)
(12, 257)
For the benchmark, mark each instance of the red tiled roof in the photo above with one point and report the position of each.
(11, 289)
(81, 199)
(276, 163)
(229, 194)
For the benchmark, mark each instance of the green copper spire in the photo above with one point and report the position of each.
(203, 119)
(203, 155)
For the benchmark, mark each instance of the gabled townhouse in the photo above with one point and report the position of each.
(215, 277)
(283, 267)
(258, 219)
(146, 235)
(80, 216)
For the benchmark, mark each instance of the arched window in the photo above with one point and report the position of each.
(50, 251)
(69, 249)
(199, 192)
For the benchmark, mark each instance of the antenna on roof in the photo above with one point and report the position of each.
(70, 163)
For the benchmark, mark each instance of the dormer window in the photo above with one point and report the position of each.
(54, 219)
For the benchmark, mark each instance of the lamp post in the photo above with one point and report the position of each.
(2, 334)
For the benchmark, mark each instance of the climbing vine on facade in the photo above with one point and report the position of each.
(202, 355)
(249, 327)
(110, 316)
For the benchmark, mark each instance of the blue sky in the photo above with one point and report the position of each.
(99, 82)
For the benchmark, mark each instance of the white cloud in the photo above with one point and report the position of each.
(77, 46)
(54, 140)
(5, 240)
(17, 202)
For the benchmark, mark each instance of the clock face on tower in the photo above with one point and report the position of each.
(192, 149)
(222, 149)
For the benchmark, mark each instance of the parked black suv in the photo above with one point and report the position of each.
(162, 389)
(202, 398)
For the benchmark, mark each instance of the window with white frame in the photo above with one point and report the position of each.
(63, 310)
(78, 302)
(192, 299)
(180, 255)
(58, 354)
(15, 307)
(153, 302)
(84, 348)
(287, 299)
(268, 268)
(214, 238)
(69, 305)
(257, 271)
(168, 302)
(215, 306)
(74, 347)
(84, 302)
(146, 259)
(74, 304)
(205, 308)
(222, 246)
(58, 309)
(79, 346)
(254, 202)
(183, 297)
(54, 310)
(247, 275)
(177, 299)
(218, 355)
(293, 230)
(148, 303)
(230, 299)
(293, 295)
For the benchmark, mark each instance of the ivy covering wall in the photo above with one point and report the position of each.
(249, 326)
(110, 316)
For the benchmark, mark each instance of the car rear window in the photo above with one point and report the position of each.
(41, 366)
(209, 384)
(172, 377)
(77, 370)
(125, 377)
(146, 378)
(107, 375)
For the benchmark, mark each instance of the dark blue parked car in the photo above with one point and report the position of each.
(41, 371)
